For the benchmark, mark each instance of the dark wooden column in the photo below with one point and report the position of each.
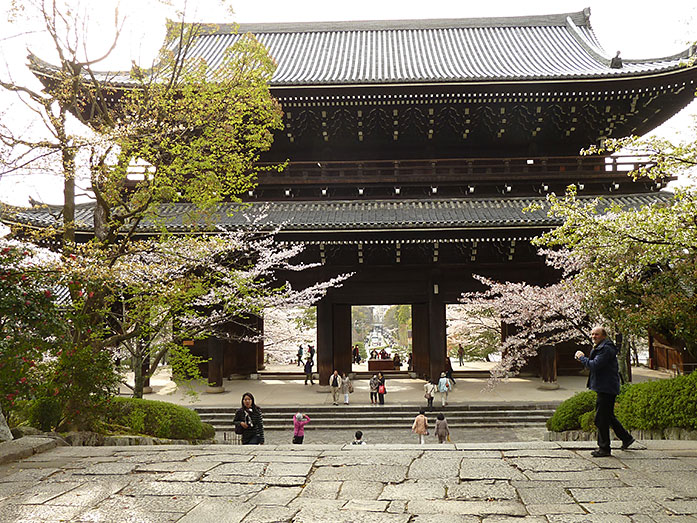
(436, 336)
(244, 353)
(215, 365)
(548, 363)
(261, 364)
(420, 339)
(325, 341)
(342, 337)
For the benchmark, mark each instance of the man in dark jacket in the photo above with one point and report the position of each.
(604, 379)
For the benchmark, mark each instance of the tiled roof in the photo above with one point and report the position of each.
(414, 51)
(359, 215)
(466, 50)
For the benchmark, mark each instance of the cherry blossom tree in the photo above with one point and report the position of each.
(535, 317)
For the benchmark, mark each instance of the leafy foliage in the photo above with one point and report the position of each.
(568, 414)
(660, 404)
(156, 418)
(30, 325)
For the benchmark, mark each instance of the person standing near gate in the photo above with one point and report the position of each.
(460, 354)
(444, 386)
(311, 350)
(604, 379)
(308, 371)
(300, 355)
(382, 390)
(335, 384)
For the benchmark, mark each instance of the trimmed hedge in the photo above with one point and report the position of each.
(156, 418)
(568, 414)
(653, 405)
(660, 404)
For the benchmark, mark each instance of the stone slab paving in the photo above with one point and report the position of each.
(494, 482)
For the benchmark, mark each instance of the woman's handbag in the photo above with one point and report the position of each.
(350, 388)
(427, 396)
(239, 429)
(381, 389)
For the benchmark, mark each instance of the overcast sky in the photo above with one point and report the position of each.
(655, 29)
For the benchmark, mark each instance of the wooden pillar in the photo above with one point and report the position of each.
(341, 326)
(215, 366)
(333, 339)
(419, 339)
(436, 336)
(261, 364)
(325, 341)
(548, 363)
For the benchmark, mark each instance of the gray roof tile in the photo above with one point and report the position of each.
(374, 215)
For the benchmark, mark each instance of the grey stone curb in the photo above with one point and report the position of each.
(581, 435)
(28, 446)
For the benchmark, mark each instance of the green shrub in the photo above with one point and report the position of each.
(155, 418)
(568, 414)
(208, 431)
(587, 422)
(45, 413)
(660, 404)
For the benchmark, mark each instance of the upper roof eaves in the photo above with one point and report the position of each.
(379, 52)
(558, 47)
(579, 18)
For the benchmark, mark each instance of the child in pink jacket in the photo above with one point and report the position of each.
(299, 422)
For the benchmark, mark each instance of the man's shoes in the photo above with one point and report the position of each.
(599, 453)
(627, 444)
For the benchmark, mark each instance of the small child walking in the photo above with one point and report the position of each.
(359, 438)
(299, 422)
(420, 426)
(442, 430)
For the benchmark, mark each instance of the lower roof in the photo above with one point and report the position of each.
(330, 215)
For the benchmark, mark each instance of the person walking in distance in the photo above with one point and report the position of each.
(299, 422)
(430, 390)
(311, 350)
(308, 371)
(420, 426)
(374, 384)
(461, 354)
(346, 387)
(442, 430)
(444, 386)
(300, 355)
(249, 422)
(382, 389)
(335, 384)
(604, 379)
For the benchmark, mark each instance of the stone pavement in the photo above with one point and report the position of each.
(401, 391)
(484, 482)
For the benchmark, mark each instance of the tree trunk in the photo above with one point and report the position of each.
(68, 197)
(623, 358)
(138, 372)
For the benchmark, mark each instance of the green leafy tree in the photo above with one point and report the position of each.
(30, 325)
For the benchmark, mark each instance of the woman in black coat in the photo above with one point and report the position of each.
(248, 421)
(381, 387)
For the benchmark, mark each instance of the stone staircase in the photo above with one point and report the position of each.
(389, 416)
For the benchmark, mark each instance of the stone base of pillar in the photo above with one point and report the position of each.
(147, 389)
(214, 390)
(549, 385)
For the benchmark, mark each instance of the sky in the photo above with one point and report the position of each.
(655, 29)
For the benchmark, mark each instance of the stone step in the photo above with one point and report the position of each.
(354, 409)
(332, 417)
